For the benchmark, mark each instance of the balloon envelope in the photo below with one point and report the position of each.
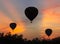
(13, 25)
(31, 13)
(48, 32)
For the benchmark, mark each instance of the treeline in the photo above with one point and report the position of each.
(18, 39)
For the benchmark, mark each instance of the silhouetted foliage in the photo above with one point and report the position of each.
(18, 39)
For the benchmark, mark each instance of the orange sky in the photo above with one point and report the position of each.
(50, 19)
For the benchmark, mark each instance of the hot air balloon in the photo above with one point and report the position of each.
(48, 32)
(13, 25)
(31, 13)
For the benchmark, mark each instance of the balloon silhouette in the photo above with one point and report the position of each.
(13, 25)
(48, 32)
(31, 13)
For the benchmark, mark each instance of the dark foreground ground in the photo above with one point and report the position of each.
(15, 39)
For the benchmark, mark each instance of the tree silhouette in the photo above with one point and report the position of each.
(18, 39)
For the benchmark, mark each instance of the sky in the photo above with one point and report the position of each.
(48, 17)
